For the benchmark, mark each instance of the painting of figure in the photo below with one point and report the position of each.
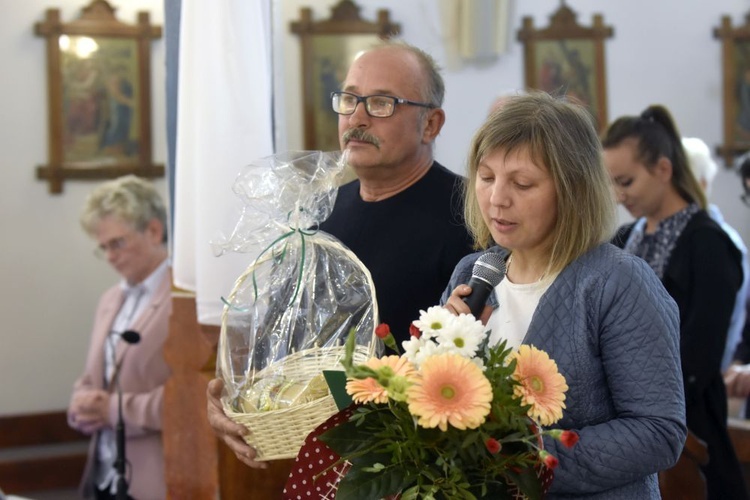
(742, 92)
(566, 67)
(100, 92)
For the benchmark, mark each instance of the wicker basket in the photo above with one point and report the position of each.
(279, 434)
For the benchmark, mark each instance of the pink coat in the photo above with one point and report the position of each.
(142, 377)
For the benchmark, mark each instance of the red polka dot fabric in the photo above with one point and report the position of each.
(312, 476)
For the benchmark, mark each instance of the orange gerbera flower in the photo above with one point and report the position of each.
(369, 389)
(542, 386)
(451, 390)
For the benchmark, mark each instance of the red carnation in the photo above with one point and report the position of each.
(493, 445)
(383, 330)
(549, 460)
(569, 438)
(414, 331)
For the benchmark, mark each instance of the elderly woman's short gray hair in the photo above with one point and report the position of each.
(130, 199)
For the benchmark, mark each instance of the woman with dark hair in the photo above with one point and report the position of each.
(696, 261)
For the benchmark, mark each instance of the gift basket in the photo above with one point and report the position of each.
(289, 314)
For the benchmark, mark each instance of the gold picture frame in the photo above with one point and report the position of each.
(99, 92)
(328, 48)
(735, 57)
(566, 58)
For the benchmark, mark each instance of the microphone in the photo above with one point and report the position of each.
(487, 273)
(131, 337)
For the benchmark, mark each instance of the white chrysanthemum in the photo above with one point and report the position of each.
(479, 362)
(463, 335)
(413, 346)
(433, 320)
(469, 324)
(428, 349)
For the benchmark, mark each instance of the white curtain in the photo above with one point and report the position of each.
(224, 115)
(474, 31)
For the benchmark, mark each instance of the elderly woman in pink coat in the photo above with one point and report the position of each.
(127, 219)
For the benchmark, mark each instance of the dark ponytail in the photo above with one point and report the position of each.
(657, 137)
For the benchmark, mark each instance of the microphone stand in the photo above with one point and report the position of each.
(122, 484)
(130, 337)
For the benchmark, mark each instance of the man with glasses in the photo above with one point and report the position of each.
(403, 215)
(127, 219)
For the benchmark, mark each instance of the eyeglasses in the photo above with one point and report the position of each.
(378, 106)
(113, 245)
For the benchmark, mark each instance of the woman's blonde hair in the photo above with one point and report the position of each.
(559, 136)
(130, 199)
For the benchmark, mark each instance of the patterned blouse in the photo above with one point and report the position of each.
(656, 248)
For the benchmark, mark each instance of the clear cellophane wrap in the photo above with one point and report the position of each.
(289, 314)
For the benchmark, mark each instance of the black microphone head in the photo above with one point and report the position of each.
(130, 336)
(490, 268)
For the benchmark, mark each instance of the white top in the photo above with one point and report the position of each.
(517, 303)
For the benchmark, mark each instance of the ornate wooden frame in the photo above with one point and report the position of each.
(99, 98)
(735, 55)
(333, 43)
(579, 49)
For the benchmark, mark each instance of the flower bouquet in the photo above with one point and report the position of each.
(450, 418)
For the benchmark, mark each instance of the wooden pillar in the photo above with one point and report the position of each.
(190, 447)
(198, 465)
(240, 482)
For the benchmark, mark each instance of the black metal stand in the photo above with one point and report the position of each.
(131, 337)
(122, 484)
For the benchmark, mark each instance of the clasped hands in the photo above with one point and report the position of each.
(89, 410)
(737, 381)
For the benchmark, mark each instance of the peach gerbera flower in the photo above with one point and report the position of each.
(541, 385)
(450, 390)
(369, 389)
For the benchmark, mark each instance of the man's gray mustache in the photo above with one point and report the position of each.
(360, 135)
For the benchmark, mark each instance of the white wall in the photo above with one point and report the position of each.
(49, 279)
(662, 52)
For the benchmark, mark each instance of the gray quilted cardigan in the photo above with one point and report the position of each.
(614, 332)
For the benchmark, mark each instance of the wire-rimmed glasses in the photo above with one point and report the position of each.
(113, 245)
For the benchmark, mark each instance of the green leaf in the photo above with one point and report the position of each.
(470, 439)
(528, 482)
(346, 438)
(411, 494)
(360, 485)
(495, 491)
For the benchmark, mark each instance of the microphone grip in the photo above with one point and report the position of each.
(480, 291)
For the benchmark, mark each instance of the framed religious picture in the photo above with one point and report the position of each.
(328, 48)
(566, 58)
(735, 49)
(99, 93)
